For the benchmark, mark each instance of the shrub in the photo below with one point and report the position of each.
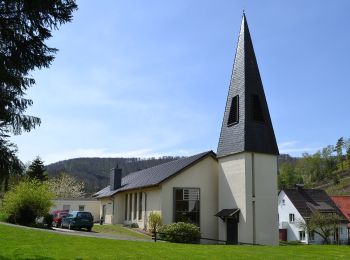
(27, 201)
(3, 217)
(134, 225)
(154, 221)
(180, 233)
(48, 219)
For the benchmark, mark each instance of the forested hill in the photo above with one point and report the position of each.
(95, 171)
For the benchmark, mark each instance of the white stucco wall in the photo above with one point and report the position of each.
(202, 175)
(266, 199)
(108, 203)
(89, 205)
(286, 207)
(236, 191)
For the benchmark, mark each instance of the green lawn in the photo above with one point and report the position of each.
(20, 243)
(118, 230)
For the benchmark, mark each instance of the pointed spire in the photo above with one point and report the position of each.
(246, 126)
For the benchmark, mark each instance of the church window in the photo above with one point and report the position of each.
(233, 117)
(257, 111)
(187, 205)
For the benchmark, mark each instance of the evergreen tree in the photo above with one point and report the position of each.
(25, 25)
(36, 170)
(339, 149)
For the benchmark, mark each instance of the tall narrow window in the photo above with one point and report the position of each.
(140, 205)
(187, 205)
(257, 112)
(130, 205)
(126, 207)
(135, 205)
(233, 117)
(291, 218)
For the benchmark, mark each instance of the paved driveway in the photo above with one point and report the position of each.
(98, 235)
(82, 233)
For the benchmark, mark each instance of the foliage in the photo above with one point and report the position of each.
(24, 27)
(154, 221)
(180, 232)
(339, 149)
(134, 225)
(27, 201)
(36, 170)
(287, 177)
(10, 165)
(66, 186)
(3, 216)
(48, 218)
(325, 166)
(324, 224)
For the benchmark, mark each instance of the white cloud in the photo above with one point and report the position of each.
(295, 148)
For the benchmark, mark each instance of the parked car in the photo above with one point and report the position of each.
(57, 217)
(78, 220)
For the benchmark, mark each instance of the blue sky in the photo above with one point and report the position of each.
(150, 78)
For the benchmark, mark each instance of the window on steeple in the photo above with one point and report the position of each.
(257, 112)
(233, 117)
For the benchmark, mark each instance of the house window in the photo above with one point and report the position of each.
(283, 202)
(291, 218)
(140, 205)
(81, 207)
(126, 207)
(233, 117)
(135, 205)
(257, 112)
(130, 205)
(187, 205)
(312, 236)
(66, 207)
(301, 235)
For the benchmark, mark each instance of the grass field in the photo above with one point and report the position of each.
(118, 230)
(20, 243)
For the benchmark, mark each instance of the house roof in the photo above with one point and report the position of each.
(308, 201)
(343, 203)
(247, 134)
(155, 175)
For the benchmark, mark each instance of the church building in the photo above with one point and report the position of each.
(231, 194)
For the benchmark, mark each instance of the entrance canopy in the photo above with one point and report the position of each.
(228, 213)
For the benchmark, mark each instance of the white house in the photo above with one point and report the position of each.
(295, 205)
(230, 195)
(82, 204)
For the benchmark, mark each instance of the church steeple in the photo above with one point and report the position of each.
(246, 126)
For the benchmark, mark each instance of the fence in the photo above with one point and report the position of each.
(156, 237)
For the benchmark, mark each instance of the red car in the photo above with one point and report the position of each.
(57, 217)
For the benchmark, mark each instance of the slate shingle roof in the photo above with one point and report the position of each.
(307, 201)
(155, 175)
(247, 134)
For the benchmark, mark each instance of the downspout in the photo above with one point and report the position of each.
(145, 217)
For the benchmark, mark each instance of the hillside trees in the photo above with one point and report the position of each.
(323, 166)
(25, 25)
